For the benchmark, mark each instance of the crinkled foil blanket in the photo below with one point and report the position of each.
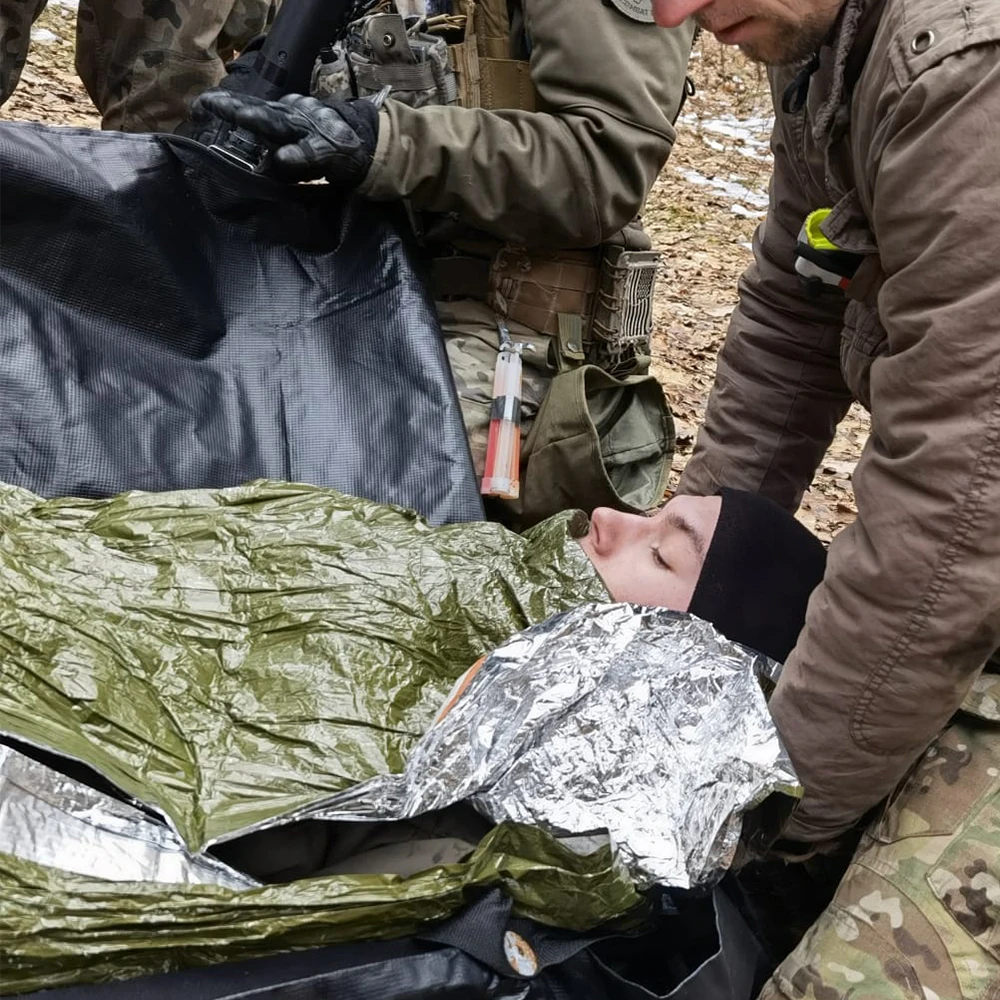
(643, 723)
(58, 822)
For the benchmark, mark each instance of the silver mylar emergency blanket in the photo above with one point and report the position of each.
(53, 820)
(640, 722)
(643, 722)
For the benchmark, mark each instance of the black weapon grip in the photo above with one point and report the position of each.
(285, 61)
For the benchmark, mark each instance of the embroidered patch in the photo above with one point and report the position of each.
(638, 10)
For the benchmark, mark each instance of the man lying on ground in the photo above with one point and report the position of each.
(284, 601)
(283, 642)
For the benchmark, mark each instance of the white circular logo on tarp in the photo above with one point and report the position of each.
(520, 954)
(638, 10)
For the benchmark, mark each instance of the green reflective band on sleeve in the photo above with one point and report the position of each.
(814, 235)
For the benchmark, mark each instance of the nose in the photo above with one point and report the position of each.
(611, 529)
(671, 13)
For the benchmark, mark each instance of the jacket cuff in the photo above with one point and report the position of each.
(369, 187)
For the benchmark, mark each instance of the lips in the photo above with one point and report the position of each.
(730, 34)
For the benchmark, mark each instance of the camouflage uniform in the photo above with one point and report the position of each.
(916, 915)
(141, 63)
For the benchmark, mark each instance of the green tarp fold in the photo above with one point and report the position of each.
(60, 929)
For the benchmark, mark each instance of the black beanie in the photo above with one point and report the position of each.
(759, 571)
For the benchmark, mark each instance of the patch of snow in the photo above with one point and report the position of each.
(746, 213)
(748, 136)
(751, 130)
(42, 36)
(72, 4)
(731, 188)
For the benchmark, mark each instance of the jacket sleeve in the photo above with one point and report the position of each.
(567, 178)
(910, 607)
(778, 394)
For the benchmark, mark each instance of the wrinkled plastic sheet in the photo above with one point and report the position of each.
(230, 656)
(60, 928)
(643, 729)
(52, 820)
(646, 723)
(170, 321)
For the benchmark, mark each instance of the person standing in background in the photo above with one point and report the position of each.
(142, 64)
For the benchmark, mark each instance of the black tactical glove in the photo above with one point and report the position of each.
(313, 139)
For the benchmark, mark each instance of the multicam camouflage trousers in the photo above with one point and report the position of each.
(917, 916)
(141, 62)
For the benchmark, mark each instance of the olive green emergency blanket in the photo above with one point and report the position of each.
(59, 929)
(231, 656)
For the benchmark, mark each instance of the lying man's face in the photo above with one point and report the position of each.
(776, 32)
(654, 560)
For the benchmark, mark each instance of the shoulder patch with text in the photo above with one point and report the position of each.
(638, 10)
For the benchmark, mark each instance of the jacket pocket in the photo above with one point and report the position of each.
(862, 340)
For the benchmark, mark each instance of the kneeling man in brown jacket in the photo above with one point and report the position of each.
(875, 278)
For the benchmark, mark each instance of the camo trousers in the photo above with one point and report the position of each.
(142, 63)
(917, 916)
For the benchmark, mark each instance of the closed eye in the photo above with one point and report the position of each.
(658, 559)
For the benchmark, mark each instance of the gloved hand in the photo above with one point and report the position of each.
(313, 139)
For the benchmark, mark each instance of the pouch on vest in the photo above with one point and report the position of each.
(488, 75)
(386, 50)
(331, 77)
(598, 441)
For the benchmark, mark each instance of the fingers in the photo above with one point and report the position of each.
(307, 159)
(302, 103)
(268, 119)
(292, 163)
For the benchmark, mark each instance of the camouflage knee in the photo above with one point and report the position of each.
(16, 19)
(247, 20)
(916, 913)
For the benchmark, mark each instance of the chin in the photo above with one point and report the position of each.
(754, 52)
(768, 52)
(785, 45)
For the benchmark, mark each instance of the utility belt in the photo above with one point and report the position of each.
(597, 304)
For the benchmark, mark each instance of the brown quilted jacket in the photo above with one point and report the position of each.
(908, 158)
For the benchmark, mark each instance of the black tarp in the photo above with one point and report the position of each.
(701, 948)
(168, 320)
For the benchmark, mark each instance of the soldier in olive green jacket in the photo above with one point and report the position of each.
(523, 176)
